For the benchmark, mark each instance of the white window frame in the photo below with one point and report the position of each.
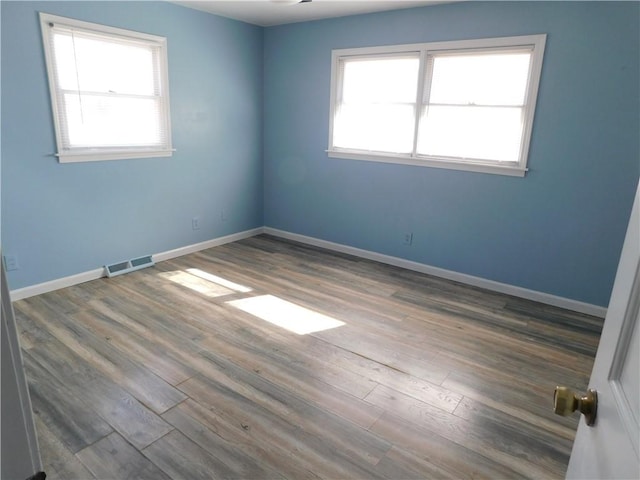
(536, 43)
(67, 153)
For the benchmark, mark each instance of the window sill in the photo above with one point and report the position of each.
(89, 156)
(508, 169)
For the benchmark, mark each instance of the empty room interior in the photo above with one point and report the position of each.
(319, 240)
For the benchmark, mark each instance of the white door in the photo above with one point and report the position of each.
(609, 448)
(19, 455)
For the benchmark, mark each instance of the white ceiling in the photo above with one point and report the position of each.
(267, 13)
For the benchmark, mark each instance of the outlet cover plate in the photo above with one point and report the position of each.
(11, 263)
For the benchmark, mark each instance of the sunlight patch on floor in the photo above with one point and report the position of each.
(286, 315)
(219, 280)
(204, 283)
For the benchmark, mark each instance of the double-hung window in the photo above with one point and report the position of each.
(109, 91)
(461, 105)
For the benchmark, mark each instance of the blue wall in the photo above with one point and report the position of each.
(250, 119)
(559, 230)
(63, 219)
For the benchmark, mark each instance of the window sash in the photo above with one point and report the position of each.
(111, 108)
(491, 133)
(374, 122)
(98, 120)
(516, 117)
(478, 78)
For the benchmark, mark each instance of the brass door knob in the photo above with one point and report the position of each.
(565, 402)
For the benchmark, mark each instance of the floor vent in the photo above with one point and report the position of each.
(129, 266)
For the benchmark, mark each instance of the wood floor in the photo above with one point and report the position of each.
(164, 373)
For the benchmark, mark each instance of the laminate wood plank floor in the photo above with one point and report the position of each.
(266, 358)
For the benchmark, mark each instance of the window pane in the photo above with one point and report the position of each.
(108, 121)
(95, 65)
(377, 112)
(380, 80)
(65, 62)
(491, 133)
(480, 79)
(383, 128)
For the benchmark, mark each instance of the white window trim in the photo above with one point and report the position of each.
(99, 154)
(536, 42)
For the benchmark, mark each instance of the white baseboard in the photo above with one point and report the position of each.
(534, 295)
(40, 288)
(179, 252)
(541, 297)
